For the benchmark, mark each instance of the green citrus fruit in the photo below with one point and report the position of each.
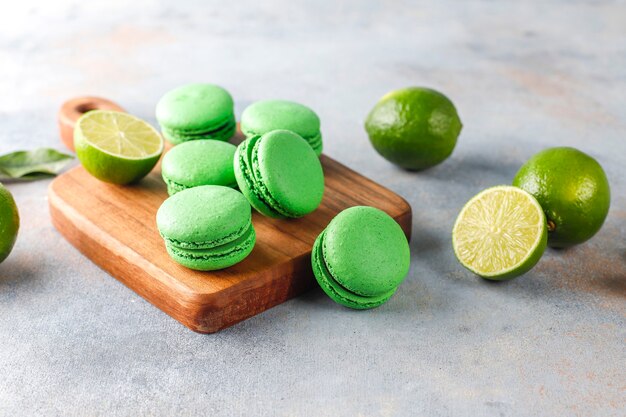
(116, 147)
(500, 233)
(415, 128)
(9, 222)
(573, 190)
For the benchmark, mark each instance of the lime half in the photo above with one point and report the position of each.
(116, 147)
(500, 233)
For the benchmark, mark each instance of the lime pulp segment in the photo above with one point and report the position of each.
(499, 232)
(121, 134)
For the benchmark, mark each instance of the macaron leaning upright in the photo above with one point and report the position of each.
(361, 257)
(267, 115)
(280, 174)
(207, 227)
(196, 111)
(199, 162)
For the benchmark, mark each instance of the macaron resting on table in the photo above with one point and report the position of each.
(361, 258)
(267, 115)
(280, 174)
(196, 111)
(198, 162)
(207, 227)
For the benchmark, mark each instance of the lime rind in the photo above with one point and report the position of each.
(116, 147)
(104, 125)
(9, 222)
(573, 190)
(500, 233)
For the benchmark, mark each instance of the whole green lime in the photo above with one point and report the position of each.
(573, 190)
(9, 222)
(415, 127)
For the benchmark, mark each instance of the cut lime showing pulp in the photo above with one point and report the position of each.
(500, 233)
(116, 147)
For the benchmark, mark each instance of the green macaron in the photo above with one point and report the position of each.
(207, 227)
(267, 115)
(199, 162)
(280, 174)
(361, 257)
(196, 111)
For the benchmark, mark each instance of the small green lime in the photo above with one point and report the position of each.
(116, 147)
(9, 222)
(500, 233)
(415, 128)
(573, 190)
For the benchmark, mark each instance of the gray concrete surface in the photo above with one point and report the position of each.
(524, 76)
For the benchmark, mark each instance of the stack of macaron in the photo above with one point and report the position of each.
(196, 111)
(359, 260)
(207, 227)
(267, 115)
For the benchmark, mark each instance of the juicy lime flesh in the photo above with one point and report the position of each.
(116, 147)
(120, 134)
(498, 231)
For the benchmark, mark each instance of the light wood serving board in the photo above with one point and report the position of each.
(115, 227)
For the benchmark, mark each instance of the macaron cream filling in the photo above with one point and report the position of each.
(244, 231)
(315, 141)
(223, 129)
(240, 244)
(312, 139)
(248, 160)
(246, 173)
(267, 197)
(176, 187)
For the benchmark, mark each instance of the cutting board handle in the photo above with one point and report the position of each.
(72, 109)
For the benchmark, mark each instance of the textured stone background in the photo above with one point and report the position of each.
(524, 76)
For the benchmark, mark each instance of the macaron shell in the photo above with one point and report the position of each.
(334, 290)
(195, 107)
(217, 258)
(290, 171)
(267, 115)
(203, 217)
(366, 251)
(195, 163)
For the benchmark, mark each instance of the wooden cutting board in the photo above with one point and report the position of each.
(115, 227)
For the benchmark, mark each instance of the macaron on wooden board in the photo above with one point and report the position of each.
(115, 227)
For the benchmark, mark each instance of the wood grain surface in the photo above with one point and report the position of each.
(115, 227)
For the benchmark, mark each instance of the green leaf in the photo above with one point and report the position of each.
(32, 165)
